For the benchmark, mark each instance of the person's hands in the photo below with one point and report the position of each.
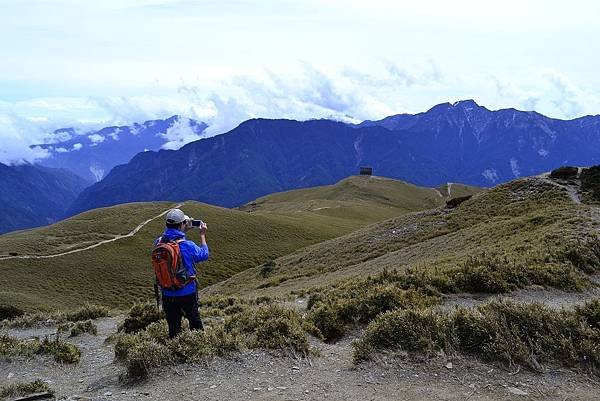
(203, 228)
(187, 226)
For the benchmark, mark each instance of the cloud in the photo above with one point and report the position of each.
(77, 146)
(381, 88)
(549, 92)
(180, 133)
(115, 134)
(96, 139)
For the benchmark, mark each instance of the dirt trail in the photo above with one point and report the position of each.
(258, 375)
(116, 238)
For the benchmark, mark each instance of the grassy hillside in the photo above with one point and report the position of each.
(118, 273)
(528, 231)
(361, 199)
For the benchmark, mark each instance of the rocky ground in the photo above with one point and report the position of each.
(331, 376)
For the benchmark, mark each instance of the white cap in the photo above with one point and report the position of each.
(176, 216)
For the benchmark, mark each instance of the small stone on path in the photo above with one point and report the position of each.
(516, 391)
(108, 394)
(449, 365)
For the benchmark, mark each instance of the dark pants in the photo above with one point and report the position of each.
(176, 307)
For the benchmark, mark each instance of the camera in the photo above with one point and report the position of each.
(196, 223)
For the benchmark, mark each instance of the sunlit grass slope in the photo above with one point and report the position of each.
(361, 199)
(528, 231)
(118, 273)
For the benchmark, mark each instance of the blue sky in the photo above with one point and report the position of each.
(92, 63)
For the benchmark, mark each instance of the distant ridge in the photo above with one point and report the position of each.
(35, 196)
(459, 142)
(93, 154)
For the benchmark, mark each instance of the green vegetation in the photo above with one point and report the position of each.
(24, 389)
(358, 198)
(83, 327)
(251, 326)
(525, 232)
(590, 184)
(140, 316)
(86, 312)
(118, 274)
(62, 351)
(332, 309)
(514, 333)
(9, 312)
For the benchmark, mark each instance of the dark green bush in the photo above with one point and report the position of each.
(409, 330)
(87, 312)
(62, 351)
(360, 301)
(267, 268)
(24, 389)
(9, 312)
(11, 346)
(140, 316)
(267, 326)
(145, 355)
(83, 327)
(532, 335)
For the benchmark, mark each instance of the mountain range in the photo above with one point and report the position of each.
(460, 142)
(93, 154)
(35, 196)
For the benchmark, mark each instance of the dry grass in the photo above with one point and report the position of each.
(251, 326)
(238, 240)
(62, 351)
(23, 389)
(524, 232)
(531, 335)
(86, 312)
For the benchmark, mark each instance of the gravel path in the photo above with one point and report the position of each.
(259, 375)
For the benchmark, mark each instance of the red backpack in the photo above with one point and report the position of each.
(168, 266)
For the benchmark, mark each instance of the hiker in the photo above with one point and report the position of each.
(179, 290)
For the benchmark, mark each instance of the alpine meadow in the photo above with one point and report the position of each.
(299, 200)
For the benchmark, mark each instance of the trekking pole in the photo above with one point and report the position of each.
(157, 295)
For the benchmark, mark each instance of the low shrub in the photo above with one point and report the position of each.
(267, 268)
(267, 326)
(24, 389)
(532, 335)
(409, 330)
(9, 312)
(83, 327)
(590, 184)
(62, 351)
(194, 346)
(590, 313)
(360, 301)
(140, 316)
(143, 355)
(270, 327)
(10, 346)
(87, 312)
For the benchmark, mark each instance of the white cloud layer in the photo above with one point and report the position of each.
(89, 64)
(347, 94)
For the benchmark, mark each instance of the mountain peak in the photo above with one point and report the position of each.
(467, 103)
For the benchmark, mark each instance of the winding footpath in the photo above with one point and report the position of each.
(116, 238)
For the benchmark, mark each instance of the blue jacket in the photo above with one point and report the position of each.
(190, 254)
